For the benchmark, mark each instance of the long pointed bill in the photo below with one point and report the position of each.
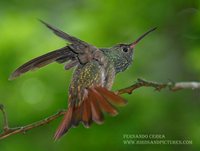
(132, 45)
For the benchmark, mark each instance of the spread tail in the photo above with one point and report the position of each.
(96, 101)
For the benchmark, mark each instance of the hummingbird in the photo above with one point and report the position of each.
(90, 93)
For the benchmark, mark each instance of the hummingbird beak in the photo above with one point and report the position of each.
(132, 45)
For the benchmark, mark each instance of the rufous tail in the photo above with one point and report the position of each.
(97, 100)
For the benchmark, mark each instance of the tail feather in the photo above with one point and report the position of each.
(96, 101)
(97, 115)
(112, 97)
(65, 124)
(104, 104)
(76, 117)
(87, 114)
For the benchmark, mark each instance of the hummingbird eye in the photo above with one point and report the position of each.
(125, 49)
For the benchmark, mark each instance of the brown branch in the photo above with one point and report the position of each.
(11, 131)
(5, 119)
(172, 86)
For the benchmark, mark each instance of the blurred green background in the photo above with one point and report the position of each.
(170, 53)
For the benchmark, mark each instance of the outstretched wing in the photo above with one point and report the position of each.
(77, 52)
(81, 44)
(61, 55)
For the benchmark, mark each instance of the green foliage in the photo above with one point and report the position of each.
(172, 52)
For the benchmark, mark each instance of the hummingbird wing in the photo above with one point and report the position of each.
(77, 52)
(65, 36)
(60, 55)
(84, 50)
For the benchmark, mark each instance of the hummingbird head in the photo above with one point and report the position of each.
(122, 54)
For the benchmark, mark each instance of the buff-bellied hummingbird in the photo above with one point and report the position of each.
(90, 88)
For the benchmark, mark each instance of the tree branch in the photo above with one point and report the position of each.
(172, 86)
(11, 131)
(5, 119)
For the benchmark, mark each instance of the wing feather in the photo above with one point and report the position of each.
(64, 35)
(43, 60)
(78, 52)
